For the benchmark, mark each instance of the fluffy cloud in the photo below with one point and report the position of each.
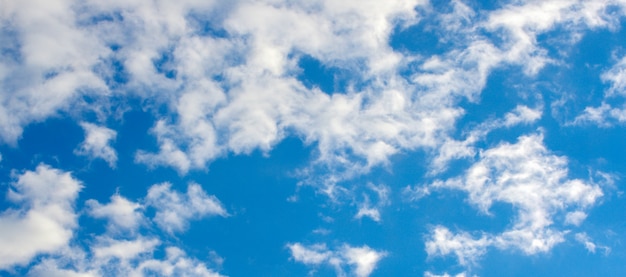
(112, 257)
(531, 179)
(174, 209)
(232, 78)
(47, 66)
(97, 143)
(361, 260)
(43, 223)
(45, 218)
(131, 253)
(121, 213)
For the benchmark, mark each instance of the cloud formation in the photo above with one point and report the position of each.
(531, 179)
(44, 222)
(97, 143)
(361, 260)
(44, 219)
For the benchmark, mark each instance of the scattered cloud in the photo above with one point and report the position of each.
(223, 78)
(43, 224)
(44, 219)
(361, 261)
(531, 179)
(608, 114)
(122, 214)
(97, 143)
(174, 209)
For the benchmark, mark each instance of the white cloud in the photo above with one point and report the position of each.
(115, 257)
(521, 114)
(174, 210)
(365, 210)
(51, 67)
(575, 218)
(107, 248)
(606, 114)
(239, 91)
(429, 274)
(311, 255)
(452, 149)
(45, 219)
(616, 76)
(41, 227)
(372, 210)
(586, 241)
(121, 213)
(361, 260)
(97, 143)
(530, 178)
(467, 249)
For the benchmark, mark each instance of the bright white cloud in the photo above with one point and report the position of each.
(44, 219)
(51, 66)
(132, 252)
(467, 249)
(123, 257)
(42, 224)
(121, 213)
(311, 255)
(97, 143)
(239, 91)
(575, 218)
(174, 209)
(530, 178)
(361, 260)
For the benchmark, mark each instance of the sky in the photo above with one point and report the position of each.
(312, 138)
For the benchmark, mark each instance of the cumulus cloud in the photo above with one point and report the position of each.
(44, 218)
(122, 214)
(360, 260)
(174, 209)
(97, 143)
(116, 257)
(530, 178)
(132, 253)
(41, 223)
(235, 87)
(48, 65)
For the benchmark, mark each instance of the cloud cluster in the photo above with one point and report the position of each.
(224, 78)
(44, 219)
(361, 260)
(227, 73)
(609, 113)
(534, 182)
(44, 222)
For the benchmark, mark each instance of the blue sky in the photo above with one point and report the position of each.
(316, 138)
